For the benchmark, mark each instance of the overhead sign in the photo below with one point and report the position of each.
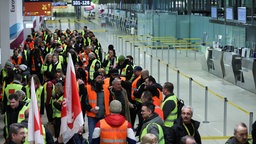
(81, 2)
(59, 5)
(37, 8)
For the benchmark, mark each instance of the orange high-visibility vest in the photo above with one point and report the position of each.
(156, 101)
(92, 98)
(113, 135)
(18, 62)
(160, 95)
(134, 86)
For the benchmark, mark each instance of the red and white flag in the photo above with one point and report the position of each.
(71, 112)
(35, 127)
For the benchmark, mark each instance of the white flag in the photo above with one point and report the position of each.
(71, 112)
(35, 127)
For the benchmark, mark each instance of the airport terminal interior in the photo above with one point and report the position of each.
(206, 48)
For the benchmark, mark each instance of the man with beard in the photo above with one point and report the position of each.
(17, 133)
(98, 102)
(183, 126)
(117, 92)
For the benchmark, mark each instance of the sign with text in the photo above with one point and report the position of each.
(81, 2)
(37, 8)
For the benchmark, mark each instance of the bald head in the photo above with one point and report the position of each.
(241, 133)
(144, 74)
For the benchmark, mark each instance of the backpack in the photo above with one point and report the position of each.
(180, 104)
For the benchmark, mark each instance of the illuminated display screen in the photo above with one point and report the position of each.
(81, 2)
(37, 8)
(241, 14)
(214, 12)
(229, 13)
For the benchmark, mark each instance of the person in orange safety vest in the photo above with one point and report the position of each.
(114, 128)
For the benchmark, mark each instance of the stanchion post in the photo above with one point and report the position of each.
(151, 57)
(175, 51)
(162, 52)
(206, 106)
(178, 83)
(138, 56)
(121, 47)
(190, 91)
(158, 66)
(125, 51)
(195, 54)
(69, 23)
(167, 72)
(144, 59)
(250, 121)
(168, 55)
(134, 50)
(225, 117)
(130, 48)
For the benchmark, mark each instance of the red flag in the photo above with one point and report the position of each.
(71, 112)
(35, 128)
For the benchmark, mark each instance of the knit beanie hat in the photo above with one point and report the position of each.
(115, 106)
(121, 58)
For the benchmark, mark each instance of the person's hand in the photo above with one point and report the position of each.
(94, 110)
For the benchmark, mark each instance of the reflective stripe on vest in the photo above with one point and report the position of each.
(111, 135)
(160, 133)
(168, 122)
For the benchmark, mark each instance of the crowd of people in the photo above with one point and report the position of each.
(113, 93)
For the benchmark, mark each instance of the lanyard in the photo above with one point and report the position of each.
(186, 128)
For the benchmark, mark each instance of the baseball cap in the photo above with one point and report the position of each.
(137, 68)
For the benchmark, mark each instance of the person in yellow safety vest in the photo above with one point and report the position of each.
(110, 47)
(97, 47)
(6, 77)
(11, 89)
(169, 105)
(98, 99)
(152, 122)
(93, 66)
(39, 93)
(56, 64)
(114, 128)
(56, 103)
(47, 66)
(126, 67)
(110, 62)
(15, 112)
(17, 134)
